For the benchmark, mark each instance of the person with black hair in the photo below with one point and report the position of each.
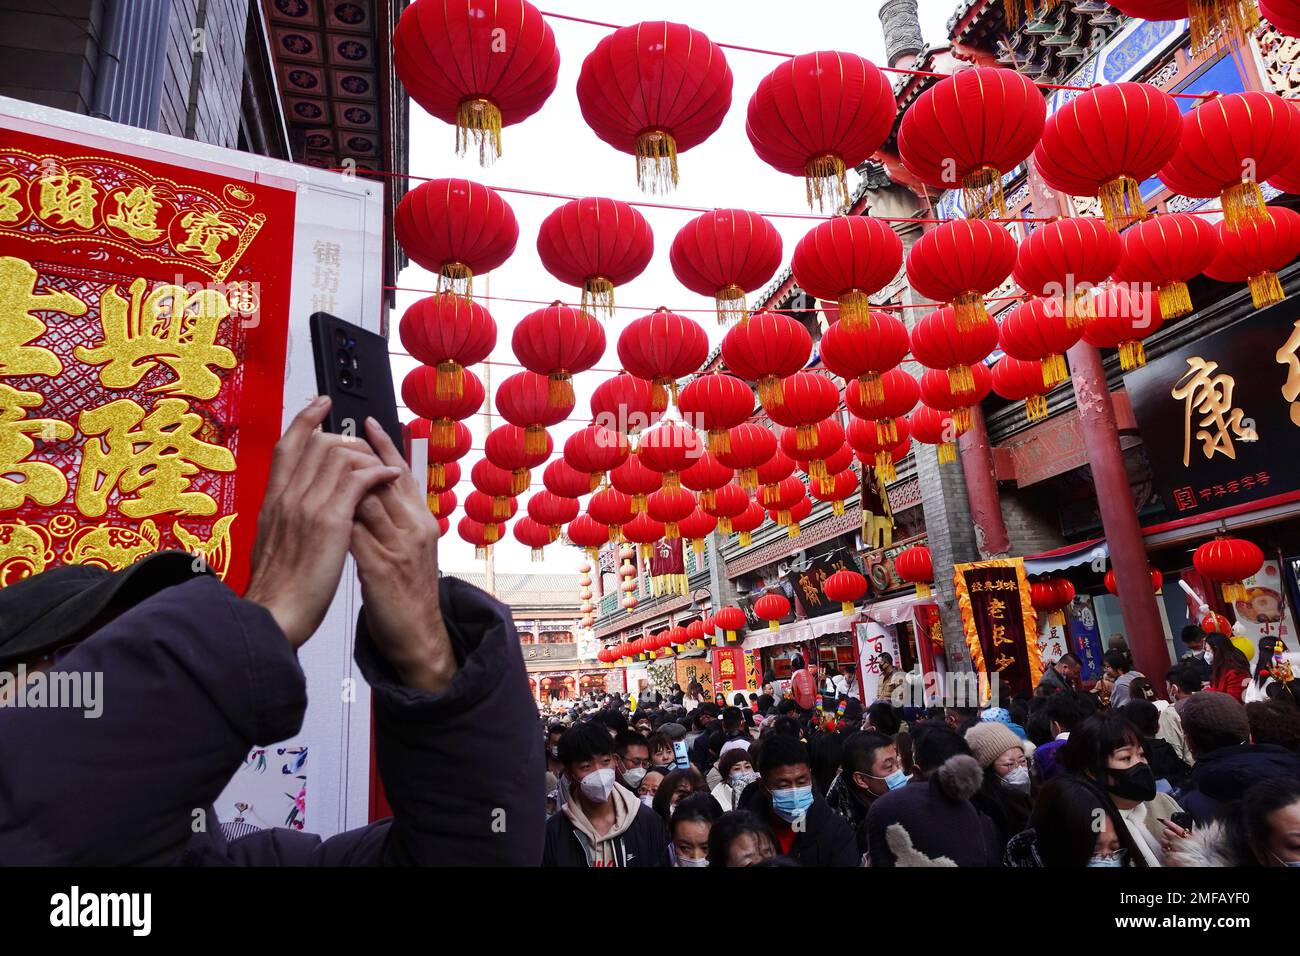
(893, 682)
(1196, 658)
(736, 772)
(869, 768)
(1107, 749)
(1263, 684)
(601, 823)
(1263, 831)
(1229, 669)
(661, 749)
(631, 758)
(884, 718)
(1181, 682)
(677, 786)
(1074, 824)
(1169, 770)
(740, 838)
(1065, 711)
(1119, 671)
(688, 830)
(1275, 722)
(786, 800)
(824, 748)
(803, 684)
(1061, 676)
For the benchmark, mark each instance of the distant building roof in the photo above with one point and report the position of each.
(559, 591)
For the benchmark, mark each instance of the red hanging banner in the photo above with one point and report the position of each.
(1000, 624)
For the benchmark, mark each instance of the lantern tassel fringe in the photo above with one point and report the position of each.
(1243, 203)
(825, 182)
(855, 310)
(1132, 355)
(598, 296)
(970, 311)
(479, 119)
(1265, 289)
(1175, 300)
(730, 302)
(1121, 202)
(982, 193)
(656, 161)
(1036, 408)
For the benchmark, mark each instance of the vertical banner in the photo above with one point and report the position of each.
(728, 670)
(873, 640)
(753, 675)
(1000, 624)
(668, 568)
(929, 646)
(695, 669)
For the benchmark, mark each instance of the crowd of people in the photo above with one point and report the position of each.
(803, 775)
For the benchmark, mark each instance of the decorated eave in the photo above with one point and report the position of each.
(1054, 44)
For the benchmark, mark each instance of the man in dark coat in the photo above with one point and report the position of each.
(194, 676)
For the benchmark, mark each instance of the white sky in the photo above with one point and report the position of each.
(554, 150)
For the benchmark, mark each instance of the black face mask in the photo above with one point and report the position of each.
(1136, 783)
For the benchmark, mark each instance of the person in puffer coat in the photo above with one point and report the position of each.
(194, 676)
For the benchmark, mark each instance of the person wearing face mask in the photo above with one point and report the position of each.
(677, 786)
(631, 758)
(870, 767)
(649, 787)
(1074, 825)
(737, 773)
(1107, 749)
(601, 823)
(1198, 656)
(688, 830)
(1004, 795)
(806, 828)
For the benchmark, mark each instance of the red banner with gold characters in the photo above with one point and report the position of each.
(728, 670)
(143, 316)
(1000, 624)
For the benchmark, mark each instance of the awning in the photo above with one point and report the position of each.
(893, 610)
(806, 630)
(1095, 551)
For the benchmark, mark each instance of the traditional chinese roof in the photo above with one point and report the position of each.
(559, 591)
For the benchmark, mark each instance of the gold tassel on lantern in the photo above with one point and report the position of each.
(1132, 355)
(1265, 289)
(450, 380)
(500, 507)
(658, 396)
(805, 437)
(656, 161)
(969, 311)
(749, 478)
(724, 525)
(772, 626)
(1056, 618)
(730, 302)
(1233, 591)
(1175, 300)
(479, 119)
(491, 534)
(825, 181)
(847, 607)
(598, 296)
(770, 393)
(783, 518)
(560, 393)
(719, 441)
(437, 475)
(885, 470)
(697, 545)
(1121, 202)
(520, 478)
(947, 453)
(1221, 22)
(855, 310)
(442, 433)
(922, 589)
(1036, 408)
(793, 530)
(837, 507)
(887, 431)
(961, 380)
(961, 419)
(1243, 203)
(647, 552)
(638, 504)
(708, 498)
(871, 388)
(817, 471)
(672, 481)
(981, 191)
(671, 531)
(456, 278)
(1078, 309)
(1055, 371)
(534, 439)
(745, 538)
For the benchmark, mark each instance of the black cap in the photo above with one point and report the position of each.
(65, 605)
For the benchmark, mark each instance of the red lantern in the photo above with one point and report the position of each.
(836, 462)
(818, 115)
(1107, 141)
(826, 438)
(1051, 597)
(806, 399)
(779, 497)
(716, 402)
(587, 533)
(915, 566)
(506, 447)
(448, 57)
(766, 349)
(561, 478)
(800, 510)
(726, 253)
(482, 536)
(933, 426)
(488, 510)
(730, 621)
(748, 447)
(450, 333)
(1229, 561)
(875, 446)
(498, 484)
(771, 608)
(610, 507)
(1066, 260)
(728, 502)
(1124, 315)
(595, 450)
(863, 355)
(662, 347)
(669, 506)
(644, 531)
(899, 395)
(775, 469)
(1284, 15)
(636, 480)
(939, 342)
(1157, 581)
(960, 262)
(420, 395)
(558, 342)
(597, 244)
(847, 258)
(1255, 251)
(695, 631)
(551, 511)
(706, 476)
(524, 399)
(442, 503)
(1228, 146)
(1165, 252)
(456, 228)
(1019, 381)
(654, 90)
(937, 392)
(971, 128)
(836, 489)
(747, 522)
(669, 449)
(624, 404)
(1212, 21)
(1039, 331)
(448, 476)
(453, 445)
(845, 586)
(695, 527)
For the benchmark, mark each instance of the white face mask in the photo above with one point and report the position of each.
(598, 785)
(649, 801)
(633, 776)
(683, 861)
(1017, 779)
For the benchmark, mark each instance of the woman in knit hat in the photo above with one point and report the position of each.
(1004, 794)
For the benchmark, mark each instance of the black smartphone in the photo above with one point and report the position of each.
(1183, 819)
(352, 369)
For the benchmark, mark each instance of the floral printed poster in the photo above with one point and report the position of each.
(269, 790)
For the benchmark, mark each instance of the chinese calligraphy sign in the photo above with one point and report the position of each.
(1000, 623)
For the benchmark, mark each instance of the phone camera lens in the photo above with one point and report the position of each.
(344, 358)
(340, 338)
(345, 378)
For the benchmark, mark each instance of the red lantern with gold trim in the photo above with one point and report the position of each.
(1124, 314)
(561, 478)
(728, 501)
(747, 522)
(670, 448)
(1255, 251)
(716, 402)
(448, 476)
(705, 476)
(1019, 381)
(778, 467)
(1065, 260)
(766, 349)
(524, 399)
(1052, 596)
(636, 480)
(499, 485)
(442, 503)
(961, 262)
(1228, 562)
(779, 498)
(836, 489)
(875, 446)
(624, 404)
(914, 565)
(597, 244)
(939, 342)
(695, 527)
(748, 447)
(807, 398)
(1166, 251)
(862, 356)
(450, 333)
(1284, 15)
(551, 511)
(506, 447)
(937, 392)
(772, 607)
(558, 342)
(420, 394)
(644, 531)
(827, 438)
(587, 533)
(533, 535)
(668, 506)
(845, 586)
(730, 621)
(1039, 331)
(900, 392)
(596, 450)
(933, 426)
(482, 536)
(662, 347)
(726, 253)
(454, 444)
(846, 259)
(456, 229)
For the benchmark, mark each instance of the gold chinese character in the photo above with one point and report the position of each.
(70, 197)
(205, 231)
(997, 608)
(171, 325)
(1286, 355)
(41, 482)
(18, 327)
(10, 208)
(136, 214)
(1003, 662)
(1000, 635)
(1210, 396)
(151, 458)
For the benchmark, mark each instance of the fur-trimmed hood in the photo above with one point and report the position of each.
(1209, 846)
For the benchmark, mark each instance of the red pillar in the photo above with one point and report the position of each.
(1128, 557)
(982, 488)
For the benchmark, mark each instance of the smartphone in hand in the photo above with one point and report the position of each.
(681, 758)
(352, 368)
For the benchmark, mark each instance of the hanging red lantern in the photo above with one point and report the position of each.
(776, 468)
(1212, 21)
(933, 426)
(914, 566)
(1165, 252)
(1124, 314)
(939, 342)
(766, 349)
(818, 115)
(595, 450)
(654, 90)
(448, 332)
(453, 445)
(644, 531)
(498, 484)
(1157, 581)
(524, 399)
(726, 253)
(1020, 381)
(969, 130)
(610, 507)
(420, 395)
(899, 394)
(670, 449)
(1229, 561)
(827, 437)
(771, 608)
(1228, 146)
(730, 621)
(488, 510)
(551, 511)
(1284, 15)
(862, 356)
(506, 447)
(448, 57)
(561, 478)
(806, 399)
(937, 392)
(705, 476)
(960, 262)
(876, 446)
(694, 632)
(558, 342)
(587, 533)
(448, 476)
(728, 501)
(442, 503)
(836, 461)
(597, 244)
(845, 586)
(1039, 331)
(800, 510)
(624, 404)
(457, 229)
(1255, 251)
(846, 259)
(716, 402)
(1051, 597)
(662, 347)
(748, 446)
(482, 536)
(747, 522)
(637, 481)
(695, 527)
(836, 489)
(1066, 260)
(782, 496)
